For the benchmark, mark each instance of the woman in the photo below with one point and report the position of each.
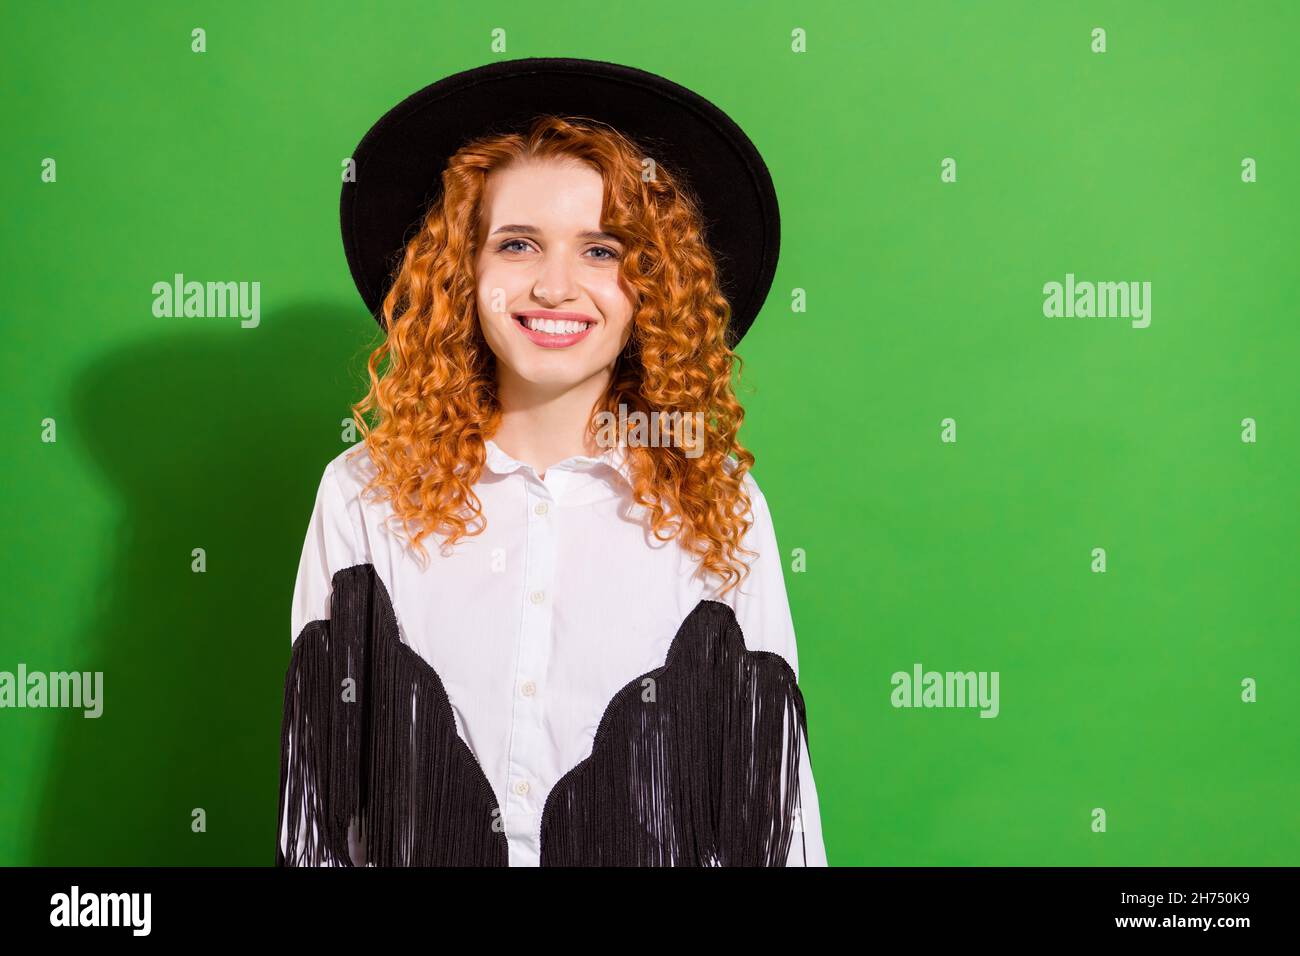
(598, 665)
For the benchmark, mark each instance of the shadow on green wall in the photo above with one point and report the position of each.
(211, 438)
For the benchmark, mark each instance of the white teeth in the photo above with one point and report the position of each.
(555, 326)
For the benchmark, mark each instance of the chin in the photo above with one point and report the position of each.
(552, 375)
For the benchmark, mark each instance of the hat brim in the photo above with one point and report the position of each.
(399, 163)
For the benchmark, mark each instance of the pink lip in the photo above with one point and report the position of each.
(545, 339)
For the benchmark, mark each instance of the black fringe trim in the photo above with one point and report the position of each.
(704, 774)
(390, 765)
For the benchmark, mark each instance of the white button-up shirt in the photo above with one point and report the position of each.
(537, 622)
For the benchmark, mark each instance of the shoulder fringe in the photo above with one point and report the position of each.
(695, 763)
(368, 744)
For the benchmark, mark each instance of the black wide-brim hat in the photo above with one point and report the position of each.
(399, 163)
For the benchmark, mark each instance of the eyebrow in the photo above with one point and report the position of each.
(534, 231)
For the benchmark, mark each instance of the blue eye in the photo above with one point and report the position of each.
(510, 246)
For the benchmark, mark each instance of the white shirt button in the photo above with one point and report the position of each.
(541, 508)
(521, 787)
(528, 689)
(537, 597)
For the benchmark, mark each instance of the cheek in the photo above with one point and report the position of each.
(485, 311)
(494, 291)
(614, 301)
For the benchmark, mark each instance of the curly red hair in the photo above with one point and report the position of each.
(436, 400)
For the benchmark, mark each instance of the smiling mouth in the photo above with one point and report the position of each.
(556, 327)
(553, 333)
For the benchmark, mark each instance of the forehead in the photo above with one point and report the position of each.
(554, 192)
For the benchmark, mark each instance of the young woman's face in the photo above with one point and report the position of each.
(550, 301)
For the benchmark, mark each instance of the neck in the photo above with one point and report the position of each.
(541, 425)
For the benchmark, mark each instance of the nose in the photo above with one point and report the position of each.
(554, 282)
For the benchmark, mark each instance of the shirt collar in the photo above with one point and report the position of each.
(614, 458)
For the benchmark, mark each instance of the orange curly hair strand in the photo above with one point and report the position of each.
(436, 402)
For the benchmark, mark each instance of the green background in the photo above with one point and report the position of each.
(1118, 690)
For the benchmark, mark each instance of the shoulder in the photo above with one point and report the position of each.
(349, 472)
(758, 509)
(339, 498)
(749, 482)
(759, 602)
